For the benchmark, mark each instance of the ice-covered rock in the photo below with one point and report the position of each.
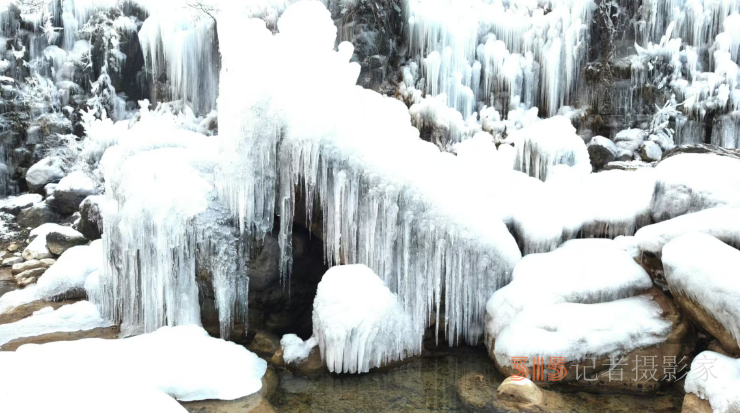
(295, 349)
(716, 378)
(180, 362)
(91, 216)
(702, 273)
(37, 248)
(48, 170)
(545, 144)
(719, 222)
(602, 150)
(71, 191)
(359, 324)
(73, 317)
(692, 182)
(627, 143)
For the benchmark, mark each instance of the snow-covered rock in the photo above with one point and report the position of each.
(36, 215)
(359, 324)
(181, 362)
(14, 204)
(71, 191)
(719, 222)
(627, 143)
(602, 150)
(692, 182)
(48, 170)
(651, 152)
(37, 248)
(67, 276)
(61, 239)
(72, 317)
(295, 349)
(91, 216)
(704, 278)
(716, 378)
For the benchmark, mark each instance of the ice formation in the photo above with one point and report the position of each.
(295, 349)
(359, 323)
(582, 271)
(719, 222)
(79, 316)
(68, 274)
(422, 226)
(705, 270)
(692, 182)
(182, 362)
(716, 378)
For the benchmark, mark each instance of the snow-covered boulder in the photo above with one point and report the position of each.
(36, 215)
(651, 152)
(71, 191)
(182, 363)
(359, 324)
(693, 182)
(704, 277)
(91, 216)
(67, 276)
(544, 144)
(602, 150)
(61, 239)
(627, 143)
(14, 204)
(714, 378)
(579, 302)
(48, 170)
(37, 248)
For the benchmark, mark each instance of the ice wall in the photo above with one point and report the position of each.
(388, 200)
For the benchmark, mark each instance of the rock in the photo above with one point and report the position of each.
(100, 332)
(11, 261)
(254, 403)
(62, 239)
(48, 262)
(37, 215)
(520, 392)
(91, 221)
(701, 148)
(13, 205)
(28, 265)
(264, 344)
(311, 365)
(71, 191)
(34, 273)
(49, 189)
(47, 170)
(627, 142)
(651, 152)
(13, 247)
(602, 150)
(695, 404)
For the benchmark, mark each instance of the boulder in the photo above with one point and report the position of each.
(695, 404)
(12, 261)
(91, 219)
(48, 170)
(602, 150)
(311, 365)
(28, 265)
(71, 191)
(28, 276)
(521, 392)
(700, 148)
(13, 247)
(651, 152)
(264, 344)
(14, 204)
(627, 142)
(36, 215)
(62, 239)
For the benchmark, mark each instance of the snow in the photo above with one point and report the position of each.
(37, 248)
(542, 145)
(703, 269)
(16, 298)
(419, 225)
(19, 202)
(78, 182)
(719, 222)
(182, 362)
(295, 349)
(577, 331)
(692, 182)
(359, 324)
(80, 316)
(579, 271)
(70, 271)
(715, 377)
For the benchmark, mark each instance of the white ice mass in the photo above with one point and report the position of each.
(716, 378)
